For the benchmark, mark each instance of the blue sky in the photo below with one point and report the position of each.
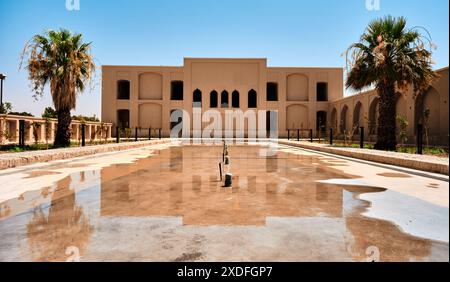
(162, 32)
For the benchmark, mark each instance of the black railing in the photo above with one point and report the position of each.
(137, 136)
(321, 135)
(361, 138)
(420, 139)
(298, 134)
(331, 136)
(83, 135)
(21, 133)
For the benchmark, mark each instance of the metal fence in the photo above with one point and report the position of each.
(137, 134)
(322, 135)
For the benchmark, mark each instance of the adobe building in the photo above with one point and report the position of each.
(361, 110)
(299, 97)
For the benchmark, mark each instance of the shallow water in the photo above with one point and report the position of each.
(173, 207)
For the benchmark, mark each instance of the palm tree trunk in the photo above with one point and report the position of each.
(62, 137)
(387, 139)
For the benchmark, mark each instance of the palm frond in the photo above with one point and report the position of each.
(62, 60)
(389, 53)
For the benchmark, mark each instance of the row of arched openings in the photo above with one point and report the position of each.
(225, 99)
(123, 91)
(369, 117)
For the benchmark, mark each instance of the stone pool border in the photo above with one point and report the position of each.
(12, 160)
(418, 162)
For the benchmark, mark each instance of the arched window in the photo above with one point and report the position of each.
(197, 101)
(252, 99)
(214, 99)
(322, 92)
(272, 92)
(224, 99)
(123, 90)
(123, 118)
(176, 91)
(235, 103)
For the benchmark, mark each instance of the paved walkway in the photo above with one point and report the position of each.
(12, 160)
(420, 162)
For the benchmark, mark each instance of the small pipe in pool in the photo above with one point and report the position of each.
(228, 180)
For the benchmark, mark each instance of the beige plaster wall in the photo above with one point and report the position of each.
(150, 101)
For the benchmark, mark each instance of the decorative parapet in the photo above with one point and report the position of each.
(42, 130)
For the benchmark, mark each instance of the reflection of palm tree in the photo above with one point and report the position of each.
(5, 211)
(65, 226)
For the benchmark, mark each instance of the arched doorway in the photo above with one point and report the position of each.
(150, 116)
(321, 121)
(333, 122)
(373, 116)
(297, 117)
(123, 118)
(343, 122)
(358, 117)
(427, 113)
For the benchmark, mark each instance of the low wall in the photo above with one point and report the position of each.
(40, 130)
(418, 162)
(27, 158)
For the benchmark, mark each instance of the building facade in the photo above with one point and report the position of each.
(299, 98)
(429, 109)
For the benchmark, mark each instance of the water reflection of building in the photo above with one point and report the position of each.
(151, 189)
(287, 207)
(190, 188)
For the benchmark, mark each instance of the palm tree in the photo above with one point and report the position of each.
(390, 57)
(62, 60)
